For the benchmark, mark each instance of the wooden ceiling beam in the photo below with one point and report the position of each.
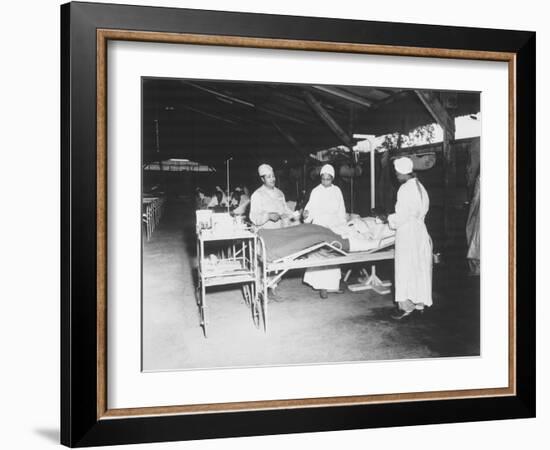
(291, 139)
(212, 116)
(282, 115)
(437, 111)
(247, 103)
(220, 94)
(399, 93)
(356, 99)
(318, 108)
(296, 106)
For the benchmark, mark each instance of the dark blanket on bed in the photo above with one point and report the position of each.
(286, 241)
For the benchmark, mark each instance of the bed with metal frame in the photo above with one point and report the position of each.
(262, 274)
(321, 254)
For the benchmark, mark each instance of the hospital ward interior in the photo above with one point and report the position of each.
(289, 224)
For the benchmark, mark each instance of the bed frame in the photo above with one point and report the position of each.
(271, 272)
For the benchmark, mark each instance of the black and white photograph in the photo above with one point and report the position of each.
(298, 224)
(270, 225)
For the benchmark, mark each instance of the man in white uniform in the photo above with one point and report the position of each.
(326, 208)
(413, 245)
(268, 208)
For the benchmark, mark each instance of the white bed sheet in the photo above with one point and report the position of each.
(365, 234)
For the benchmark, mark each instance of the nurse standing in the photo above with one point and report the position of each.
(413, 245)
(326, 208)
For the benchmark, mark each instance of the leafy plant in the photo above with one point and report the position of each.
(424, 134)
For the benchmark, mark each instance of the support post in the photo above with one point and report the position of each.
(351, 194)
(450, 187)
(372, 180)
(444, 119)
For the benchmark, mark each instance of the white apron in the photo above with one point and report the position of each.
(413, 245)
(326, 208)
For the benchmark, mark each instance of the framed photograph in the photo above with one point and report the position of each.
(278, 224)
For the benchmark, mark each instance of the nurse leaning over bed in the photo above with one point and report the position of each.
(326, 208)
(268, 208)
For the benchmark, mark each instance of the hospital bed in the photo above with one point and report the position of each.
(152, 210)
(306, 246)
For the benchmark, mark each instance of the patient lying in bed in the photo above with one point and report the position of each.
(364, 233)
(357, 235)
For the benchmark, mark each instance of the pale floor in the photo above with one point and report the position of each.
(302, 328)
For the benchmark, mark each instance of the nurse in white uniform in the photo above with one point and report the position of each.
(268, 208)
(326, 208)
(413, 245)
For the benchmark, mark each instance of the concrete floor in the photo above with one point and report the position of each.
(302, 328)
